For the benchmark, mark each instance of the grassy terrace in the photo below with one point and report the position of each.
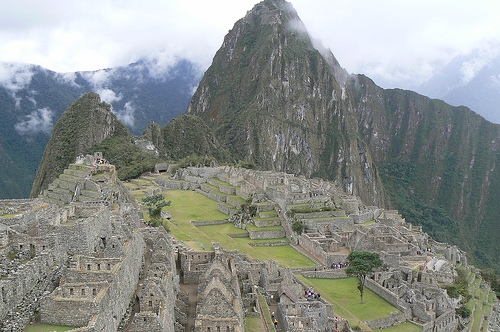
(10, 215)
(368, 223)
(404, 327)
(344, 294)
(216, 190)
(270, 218)
(189, 205)
(222, 183)
(269, 228)
(329, 218)
(47, 328)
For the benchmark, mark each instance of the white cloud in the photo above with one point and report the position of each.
(388, 39)
(109, 95)
(126, 115)
(67, 78)
(15, 77)
(98, 79)
(38, 121)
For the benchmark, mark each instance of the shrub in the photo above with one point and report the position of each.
(298, 226)
(464, 312)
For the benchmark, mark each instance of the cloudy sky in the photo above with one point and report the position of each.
(398, 43)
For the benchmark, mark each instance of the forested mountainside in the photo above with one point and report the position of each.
(89, 125)
(272, 98)
(33, 98)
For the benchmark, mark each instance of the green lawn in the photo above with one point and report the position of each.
(267, 228)
(368, 223)
(47, 328)
(254, 323)
(189, 205)
(344, 294)
(404, 327)
(281, 254)
(223, 183)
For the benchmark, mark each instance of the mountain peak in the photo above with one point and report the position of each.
(87, 122)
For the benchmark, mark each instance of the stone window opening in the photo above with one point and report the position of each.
(88, 267)
(150, 303)
(98, 266)
(71, 291)
(83, 291)
(94, 291)
(109, 266)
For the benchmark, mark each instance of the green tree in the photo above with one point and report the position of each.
(362, 264)
(155, 204)
(298, 226)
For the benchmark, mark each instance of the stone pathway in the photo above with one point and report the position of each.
(192, 291)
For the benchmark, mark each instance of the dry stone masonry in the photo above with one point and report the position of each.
(81, 255)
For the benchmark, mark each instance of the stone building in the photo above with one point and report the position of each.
(220, 306)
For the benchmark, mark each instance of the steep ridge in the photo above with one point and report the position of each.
(87, 122)
(273, 99)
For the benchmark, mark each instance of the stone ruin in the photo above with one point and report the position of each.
(91, 261)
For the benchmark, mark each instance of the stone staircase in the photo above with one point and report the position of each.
(74, 185)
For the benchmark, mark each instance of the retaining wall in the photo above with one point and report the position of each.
(266, 234)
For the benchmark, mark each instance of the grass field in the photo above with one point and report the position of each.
(47, 328)
(189, 205)
(344, 294)
(404, 327)
(253, 323)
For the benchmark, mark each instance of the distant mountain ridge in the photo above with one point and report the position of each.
(472, 80)
(33, 98)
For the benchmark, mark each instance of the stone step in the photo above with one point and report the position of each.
(90, 193)
(62, 191)
(268, 214)
(65, 184)
(81, 167)
(76, 172)
(60, 197)
(83, 198)
(69, 178)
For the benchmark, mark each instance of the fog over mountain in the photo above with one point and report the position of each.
(33, 98)
(472, 80)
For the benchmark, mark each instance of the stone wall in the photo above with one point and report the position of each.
(382, 323)
(266, 222)
(100, 308)
(266, 234)
(215, 197)
(208, 223)
(325, 273)
(387, 295)
(173, 184)
(324, 214)
(17, 284)
(447, 322)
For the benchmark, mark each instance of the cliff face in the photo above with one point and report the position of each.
(272, 98)
(87, 122)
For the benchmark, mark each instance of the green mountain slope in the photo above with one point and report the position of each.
(273, 99)
(89, 123)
